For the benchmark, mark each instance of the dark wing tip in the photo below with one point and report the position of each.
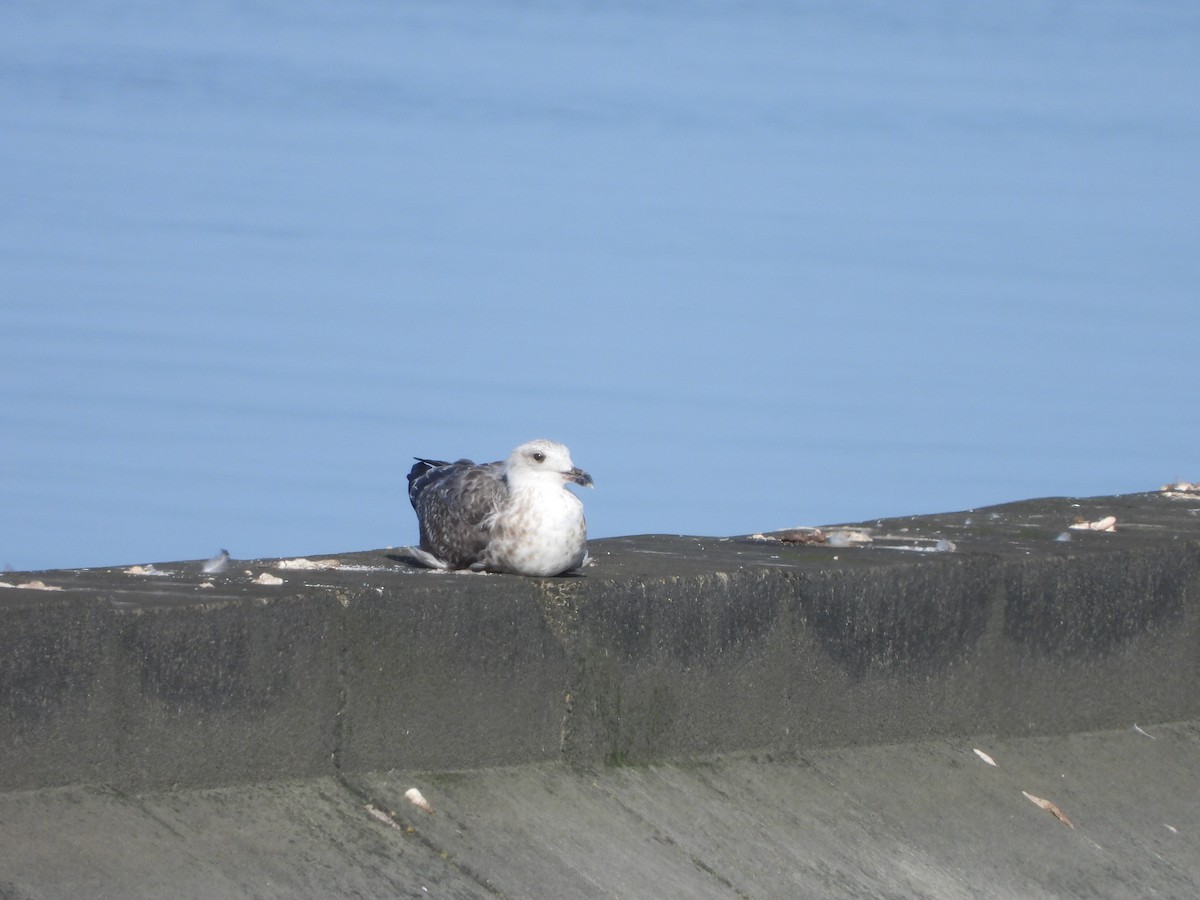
(420, 468)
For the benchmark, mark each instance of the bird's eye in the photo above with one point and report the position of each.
(539, 456)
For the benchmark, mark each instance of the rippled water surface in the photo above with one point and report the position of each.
(758, 264)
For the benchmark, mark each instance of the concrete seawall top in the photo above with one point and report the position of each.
(667, 647)
(692, 717)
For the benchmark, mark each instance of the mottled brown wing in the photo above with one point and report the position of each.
(452, 500)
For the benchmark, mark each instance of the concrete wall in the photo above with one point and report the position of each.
(667, 647)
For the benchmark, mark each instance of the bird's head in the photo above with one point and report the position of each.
(544, 460)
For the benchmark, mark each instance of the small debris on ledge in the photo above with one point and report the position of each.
(1182, 489)
(838, 537)
(145, 570)
(303, 563)
(799, 536)
(1108, 523)
(848, 537)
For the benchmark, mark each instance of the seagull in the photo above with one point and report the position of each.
(515, 516)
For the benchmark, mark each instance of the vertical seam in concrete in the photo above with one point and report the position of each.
(560, 613)
(338, 735)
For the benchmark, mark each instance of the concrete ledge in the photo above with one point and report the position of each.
(668, 647)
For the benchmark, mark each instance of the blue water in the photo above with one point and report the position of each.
(757, 264)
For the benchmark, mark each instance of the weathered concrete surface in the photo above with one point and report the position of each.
(667, 647)
(238, 728)
(926, 819)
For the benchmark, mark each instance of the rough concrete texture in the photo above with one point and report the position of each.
(928, 819)
(238, 728)
(667, 647)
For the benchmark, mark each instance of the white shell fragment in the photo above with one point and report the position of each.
(268, 578)
(801, 535)
(1050, 808)
(847, 537)
(302, 563)
(413, 796)
(1182, 489)
(1108, 523)
(987, 759)
(145, 570)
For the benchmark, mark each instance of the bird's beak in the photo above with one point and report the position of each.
(580, 477)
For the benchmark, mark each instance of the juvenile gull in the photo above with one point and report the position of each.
(514, 516)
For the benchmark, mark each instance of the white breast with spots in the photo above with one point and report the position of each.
(540, 531)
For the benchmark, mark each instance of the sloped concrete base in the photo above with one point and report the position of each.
(928, 819)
